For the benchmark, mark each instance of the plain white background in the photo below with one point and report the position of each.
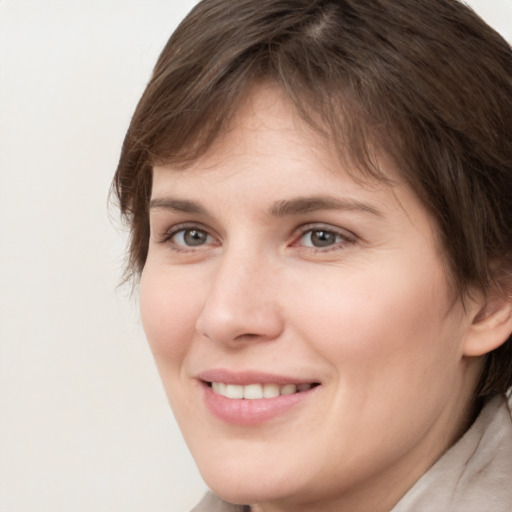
(84, 423)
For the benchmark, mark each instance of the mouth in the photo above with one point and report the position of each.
(253, 397)
(258, 391)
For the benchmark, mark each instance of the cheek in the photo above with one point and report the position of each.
(170, 306)
(388, 340)
(169, 311)
(390, 321)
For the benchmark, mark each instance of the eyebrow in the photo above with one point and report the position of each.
(302, 205)
(286, 207)
(177, 205)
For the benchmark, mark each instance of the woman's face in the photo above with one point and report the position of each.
(272, 274)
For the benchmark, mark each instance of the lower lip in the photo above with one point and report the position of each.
(251, 412)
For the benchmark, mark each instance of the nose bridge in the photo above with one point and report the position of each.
(241, 303)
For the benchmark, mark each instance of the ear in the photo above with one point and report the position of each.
(491, 325)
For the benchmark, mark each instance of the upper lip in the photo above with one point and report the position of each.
(245, 378)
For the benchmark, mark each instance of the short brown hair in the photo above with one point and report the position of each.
(425, 81)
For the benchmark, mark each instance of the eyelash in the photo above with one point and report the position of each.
(343, 238)
(182, 228)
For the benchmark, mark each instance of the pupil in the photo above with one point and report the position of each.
(322, 238)
(194, 237)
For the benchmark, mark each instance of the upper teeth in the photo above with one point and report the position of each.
(257, 391)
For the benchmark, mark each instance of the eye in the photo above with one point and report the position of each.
(190, 237)
(322, 238)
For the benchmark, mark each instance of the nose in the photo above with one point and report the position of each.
(242, 303)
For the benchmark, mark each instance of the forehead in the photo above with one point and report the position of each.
(266, 123)
(269, 143)
(264, 126)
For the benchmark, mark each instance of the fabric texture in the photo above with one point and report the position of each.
(474, 475)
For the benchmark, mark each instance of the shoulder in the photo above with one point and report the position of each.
(476, 473)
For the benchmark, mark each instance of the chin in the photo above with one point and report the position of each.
(248, 485)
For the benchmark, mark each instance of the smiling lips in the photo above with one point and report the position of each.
(252, 398)
(257, 391)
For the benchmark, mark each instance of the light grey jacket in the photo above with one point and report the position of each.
(474, 475)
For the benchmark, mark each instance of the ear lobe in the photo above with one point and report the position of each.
(491, 326)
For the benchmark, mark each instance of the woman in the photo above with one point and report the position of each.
(319, 194)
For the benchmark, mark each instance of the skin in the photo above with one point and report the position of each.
(369, 316)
